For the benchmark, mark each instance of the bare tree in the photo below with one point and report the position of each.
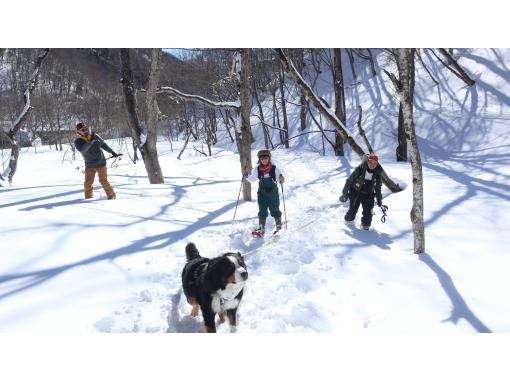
(151, 159)
(401, 151)
(146, 143)
(284, 133)
(329, 114)
(242, 108)
(405, 63)
(11, 136)
(338, 83)
(246, 138)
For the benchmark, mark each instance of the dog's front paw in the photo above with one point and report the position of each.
(195, 310)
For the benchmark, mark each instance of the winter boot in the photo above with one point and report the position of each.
(365, 227)
(278, 222)
(261, 228)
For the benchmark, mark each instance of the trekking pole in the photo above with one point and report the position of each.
(284, 210)
(117, 157)
(238, 196)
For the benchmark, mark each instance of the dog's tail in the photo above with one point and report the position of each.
(191, 252)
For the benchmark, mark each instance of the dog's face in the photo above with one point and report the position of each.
(238, 278)
(226, 275)
(240, 274)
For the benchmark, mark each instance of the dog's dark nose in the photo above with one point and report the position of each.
(244, 276)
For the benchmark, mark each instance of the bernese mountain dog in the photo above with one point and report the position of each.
(214, 285)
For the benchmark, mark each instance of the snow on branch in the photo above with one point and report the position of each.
(236, 106)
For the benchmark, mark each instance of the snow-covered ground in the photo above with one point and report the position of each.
(114, 266)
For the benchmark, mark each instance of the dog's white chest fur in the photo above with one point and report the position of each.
(225, 299)
(219, 305)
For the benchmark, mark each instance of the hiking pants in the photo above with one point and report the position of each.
(90, 174)
(268, 197)
(367, 203)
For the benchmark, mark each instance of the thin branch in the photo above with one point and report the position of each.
(319, 126)
(425, 67)
(461, 74)
(236, 106)
(362, 132)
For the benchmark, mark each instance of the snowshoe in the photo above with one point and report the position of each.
(258, 232)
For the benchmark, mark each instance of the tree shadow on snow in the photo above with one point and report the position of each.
(18, 282)
(460, 309)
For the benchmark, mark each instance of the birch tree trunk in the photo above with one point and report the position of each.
(405, 60)
(244, 118)
(150, 151)
(329, 115)
(11, 136)
(402, 138)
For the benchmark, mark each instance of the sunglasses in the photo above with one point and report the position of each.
(83, 130)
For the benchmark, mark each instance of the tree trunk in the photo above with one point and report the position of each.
(146, 144)
(284, 135)
(338, 80)
(405, 62)
(11, 136)
(130, 98)
(302, 99)
(401, 136)
(329, 115)
(150, 151)
(262, 118)
(244, 118)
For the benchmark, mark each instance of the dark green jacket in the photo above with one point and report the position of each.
(91, 151)
(357, 178)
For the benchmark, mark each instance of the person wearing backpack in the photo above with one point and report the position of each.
(90, 145)
(267, 194)
(362, 186)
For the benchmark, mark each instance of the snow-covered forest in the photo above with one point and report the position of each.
(189, 124)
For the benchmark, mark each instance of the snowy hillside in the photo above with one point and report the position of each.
(70, 265)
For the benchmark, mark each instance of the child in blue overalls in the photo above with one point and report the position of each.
(267, 195)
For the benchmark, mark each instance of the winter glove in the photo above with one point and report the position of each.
(116, 154)
(384, 208)
(343, 198)
(281, 179)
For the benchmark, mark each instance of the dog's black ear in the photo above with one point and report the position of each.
(218, 270)
(240, 259)
(212, 279)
